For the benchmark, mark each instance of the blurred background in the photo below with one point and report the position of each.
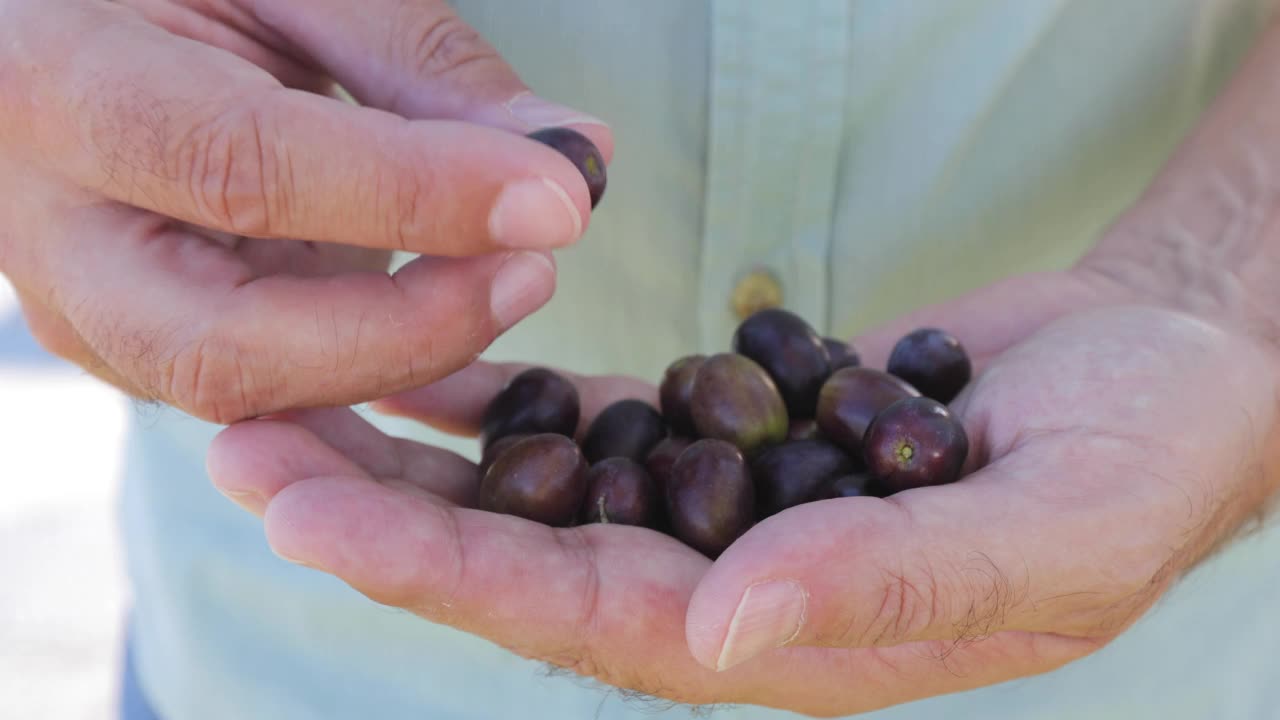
(62, 588)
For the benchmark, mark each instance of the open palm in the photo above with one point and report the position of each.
(1113, 446)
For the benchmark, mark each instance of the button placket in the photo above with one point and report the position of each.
(776, 127)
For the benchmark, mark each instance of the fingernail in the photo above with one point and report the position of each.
(534, 213)
(250, 500)
(522, 284)
(539, 113)
(769, 616)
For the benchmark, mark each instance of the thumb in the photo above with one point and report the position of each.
(418, 59)
(949, 566)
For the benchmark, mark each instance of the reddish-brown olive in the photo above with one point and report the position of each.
(915, 442)
(619, 492)
(675, 393)
(735, 400)
(851, 398)
(541, 478)
(710, 496)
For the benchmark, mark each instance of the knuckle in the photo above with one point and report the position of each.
(210, 379)
(441, 45)
(408, 210)
(909, 602)
(237, 178)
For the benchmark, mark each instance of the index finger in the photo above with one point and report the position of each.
(456, 404)
(189, 131)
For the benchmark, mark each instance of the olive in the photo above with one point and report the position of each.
(710, 496)
(662, 458)
(533, 402)
(789, 474)
(735, 400)
(627, 428)
(540, 478)
(932, 361)
(849, 400)
(581, 152)
(494, 450)
(915, 442)
(675, 393)
(620, 492)
(791, 352)
(841, 353)
(853, 485)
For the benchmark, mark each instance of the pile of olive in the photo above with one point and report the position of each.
(787, 417)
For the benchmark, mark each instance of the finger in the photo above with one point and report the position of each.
(556, 594)
(57, 336)
(603, 601)
(594, 602)
(950, 564)
(185, 319)
(52, 331)
(442, 473)
(456, 404)
(420, 60)
(233, 33)
(195, 133)
(253, 460)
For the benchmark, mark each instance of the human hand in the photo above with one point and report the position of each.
(191, 213)
(1114, 445)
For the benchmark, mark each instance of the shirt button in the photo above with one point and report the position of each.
(757, 290)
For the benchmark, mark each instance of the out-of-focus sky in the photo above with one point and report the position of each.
(62, 591)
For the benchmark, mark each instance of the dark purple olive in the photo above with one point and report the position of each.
(710, 496)
(535, 401)
(676, 392)
(620, 492)
(495, 449)
(791, 352)
(581, 152)
(915, 442)
(932, 361)
(853, 485)
(627, 428)
(851, 398)
(659, 463)
(735, 400)
(662, 458)
(541, 478)
(841, 353)
(806, 429)
(789, 474)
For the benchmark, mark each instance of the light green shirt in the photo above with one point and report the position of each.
(873, 156)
